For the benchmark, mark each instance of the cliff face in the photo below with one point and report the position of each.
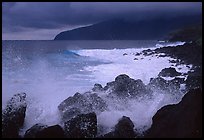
(121, 29)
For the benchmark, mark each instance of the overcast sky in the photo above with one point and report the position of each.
(43, 20)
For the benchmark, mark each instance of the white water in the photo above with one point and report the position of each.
(50, 78)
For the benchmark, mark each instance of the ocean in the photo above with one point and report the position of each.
(51, 71)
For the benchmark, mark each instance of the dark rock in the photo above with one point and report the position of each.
(109, 85)
(81, 126)
(169, 72)
(13, 116)
(123, 129)
(81, 103)
(55, 131)
(158, 83)
(34, 130)
(162, 55)
(193, 82)
(124, 86)
(97, 87)
(135, 58)
(174, 61)
(124, 54)
(169, 86)
(43, 131)
(137, 54)
(183, 120)
(181, 52)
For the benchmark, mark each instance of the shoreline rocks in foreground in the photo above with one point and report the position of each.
(182, 120)
(169, 121)
(13, 116)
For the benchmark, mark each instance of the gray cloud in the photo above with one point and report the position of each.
(20, 16)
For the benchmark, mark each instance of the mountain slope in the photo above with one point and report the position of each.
(121, 29)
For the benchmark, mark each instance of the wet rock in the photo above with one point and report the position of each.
(137, 54)
(123, 129)
(97, 87)
(124, 86)
(193, 82)
(147, 52)
(182, 120)
(174, 61)
(81, 126)
(13, 116)
(54, 131)
(169, 72)
(169, 86)
(44, 131)
(34, 130)
(81, 103)
(158, 83)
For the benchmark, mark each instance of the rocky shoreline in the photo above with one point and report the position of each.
(79, 112)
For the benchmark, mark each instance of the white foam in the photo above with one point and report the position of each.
(144, 68)
(140, 111)
(170, 44)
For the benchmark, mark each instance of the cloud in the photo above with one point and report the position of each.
(19, 16)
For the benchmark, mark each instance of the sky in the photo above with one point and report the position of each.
(44, 20)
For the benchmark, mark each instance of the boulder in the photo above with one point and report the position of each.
(81, 103)
(169, 72)
(158, 83)
(124, 86)
(137, 54)
(54, 131)
(170, 86)
(81, 126)
(43, 131)
(182, 120)
(13, 116)
(123, 129)
(34, 130)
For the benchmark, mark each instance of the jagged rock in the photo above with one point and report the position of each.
(170, 86)
(34, 130)
(81, 103)
(124, 54)
(97, 87)
(124, 86)
(158, 83)
(169, 72)
(81, 126)
(182, 120)
(13, 116)
(123, 129)
(147, 52)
